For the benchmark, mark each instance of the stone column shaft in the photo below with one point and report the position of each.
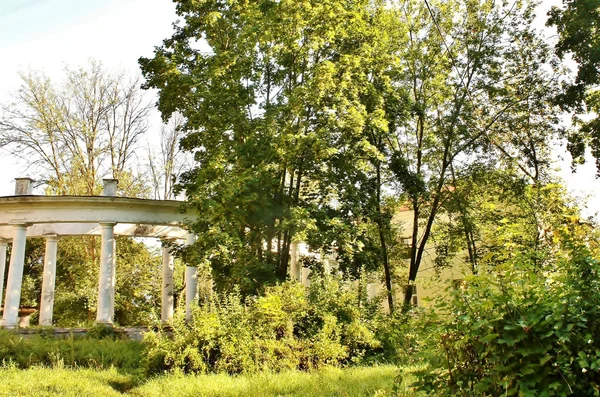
(3, 244)
(326, 264)
(48, 281)
(168, 268)
(106, 283)
(295, 269)
(191, 282)
(114, 279)
(191, 289)
(10, 318)
(305, 272)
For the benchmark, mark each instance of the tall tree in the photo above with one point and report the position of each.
(304, 118)
(480, 95)
(272, 110)
(578, 24)
(80, 130)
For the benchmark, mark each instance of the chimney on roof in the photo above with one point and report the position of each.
(23, 186)
(110, 187)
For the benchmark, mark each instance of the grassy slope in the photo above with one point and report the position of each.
(41, 382)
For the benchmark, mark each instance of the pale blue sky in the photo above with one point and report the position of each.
(48, 34)
(22, 20)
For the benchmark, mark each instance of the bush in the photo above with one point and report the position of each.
(288, 327)
(406, 338)
(529, 331)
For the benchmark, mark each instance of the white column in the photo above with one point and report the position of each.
(326, 264)
(191, 290)
(168, 268)
(3, 244)
(10, 318)
(114, 279)
(48, 279)
(191, 282)
(305, 280)
(372, 291)
(106, 283)
(295, 269)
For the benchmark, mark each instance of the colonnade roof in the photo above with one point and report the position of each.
(82, 215)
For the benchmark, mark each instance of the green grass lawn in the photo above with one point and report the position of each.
(39, 381)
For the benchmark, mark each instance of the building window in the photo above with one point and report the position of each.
(415, 301)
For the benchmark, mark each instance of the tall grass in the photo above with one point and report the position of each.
(70, 352)
(37, 381)
(374, 381)
(46, 382)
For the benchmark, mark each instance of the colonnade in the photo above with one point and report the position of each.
(106, 282)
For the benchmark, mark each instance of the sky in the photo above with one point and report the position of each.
(47, 35)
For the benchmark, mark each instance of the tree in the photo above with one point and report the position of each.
(577, 22)
(274, 109)
(304, 119)
(80, 130)
(481, 97)
(499, 216)
(170, 161)
(536, 307)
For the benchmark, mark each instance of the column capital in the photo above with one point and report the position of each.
(107, 224)
(52, 237)
(19, 224)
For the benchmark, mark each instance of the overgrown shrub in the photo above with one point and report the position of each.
(522, 330)
(288, 327)
(406, 338)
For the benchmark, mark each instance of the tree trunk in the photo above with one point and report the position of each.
(384, 253)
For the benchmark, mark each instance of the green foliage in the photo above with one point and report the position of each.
(498, 216)
(473, 103)
(406, 338)
(577, 23)
(286, 328)
(524, 329)
(286, 114)
(71, 352)
(304, 118)
(138, 283)
(102, 331)
(137, 294)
